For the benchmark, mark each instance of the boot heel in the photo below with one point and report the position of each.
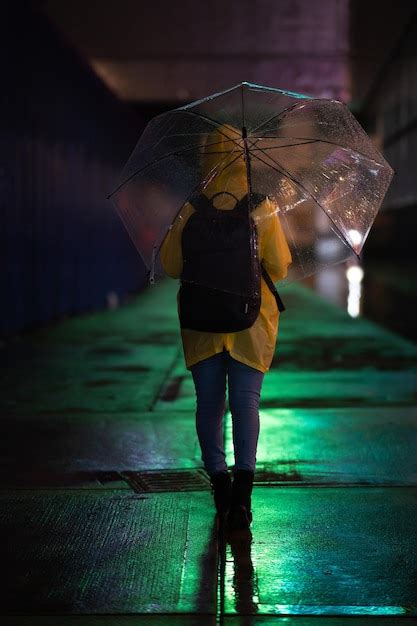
(221, 489)
(240, 515)
(239, 518)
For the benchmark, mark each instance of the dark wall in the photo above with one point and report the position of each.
(375, 26)
(64, 139)
(389, 112)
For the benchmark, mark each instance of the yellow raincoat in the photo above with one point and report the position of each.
(253, 346)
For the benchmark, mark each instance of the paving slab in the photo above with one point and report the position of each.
(112, 360)
(316, 620)
(91, 402)
(311, 389)
(323, 358)
(86, 552)
(340, 446)
(311, 446)
(87, 379)
(111, 620)
(326, 551)
(130, 358)
(312, 551)
(339, 388)
(203, 620)
(99, 442)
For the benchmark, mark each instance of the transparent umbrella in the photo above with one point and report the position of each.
(320, 174)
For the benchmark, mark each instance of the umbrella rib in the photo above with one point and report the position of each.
(243, 106)
(192, 192)
(204, 117)
(332, 143)
(221, 152)
(295, 247)
(213, 95)
(283, 214)
(287, 174)
(207, 119)
(290, 108)
(166, 156)
(287, 145)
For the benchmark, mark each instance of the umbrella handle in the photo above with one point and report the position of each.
(152, 270)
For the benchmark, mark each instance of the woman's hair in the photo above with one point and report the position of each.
(221, 151)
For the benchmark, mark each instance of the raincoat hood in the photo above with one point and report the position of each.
(222, 155)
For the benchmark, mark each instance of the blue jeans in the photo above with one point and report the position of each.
(244, 386)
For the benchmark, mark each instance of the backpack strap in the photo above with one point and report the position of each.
(268, 280)
(202, 203)
(220, 193)
(256, 197)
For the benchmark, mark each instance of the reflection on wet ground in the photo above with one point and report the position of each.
(385, 293)
(108, 513)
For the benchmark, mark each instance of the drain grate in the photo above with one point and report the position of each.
(152, 480)
(197, 479)
(169, 480)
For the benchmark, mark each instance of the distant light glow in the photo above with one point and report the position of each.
(354, 274)
(355, 237)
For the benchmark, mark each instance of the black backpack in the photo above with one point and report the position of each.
(220, 247)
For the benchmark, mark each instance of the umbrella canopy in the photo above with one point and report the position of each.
(321, 175)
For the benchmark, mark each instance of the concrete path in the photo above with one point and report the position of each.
(106, 512)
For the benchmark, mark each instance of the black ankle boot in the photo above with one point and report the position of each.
(221, 488)
(240, 514)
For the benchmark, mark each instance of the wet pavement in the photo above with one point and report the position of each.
(106, 512)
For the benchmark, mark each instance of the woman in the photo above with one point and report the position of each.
(242, 357)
